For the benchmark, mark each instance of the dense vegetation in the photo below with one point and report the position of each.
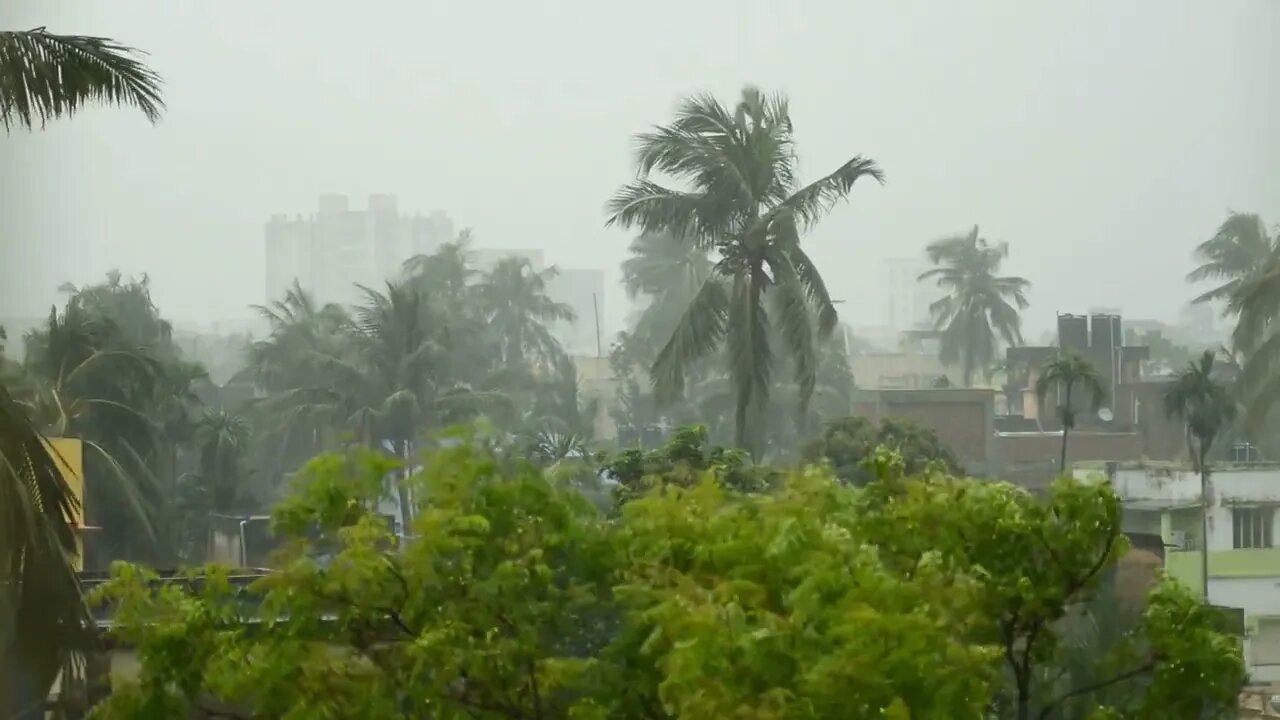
(922, 596)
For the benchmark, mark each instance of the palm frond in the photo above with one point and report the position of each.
(46, 620)
(44, 76)
(699, 332)
(811, 203)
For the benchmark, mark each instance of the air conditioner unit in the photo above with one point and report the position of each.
(1178, 539)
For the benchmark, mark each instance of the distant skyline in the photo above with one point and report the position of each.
(1102, 141)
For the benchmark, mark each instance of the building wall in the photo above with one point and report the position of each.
(899, 371)
(962, 418)
(1244, 578)
(331, 250)
(583, 290)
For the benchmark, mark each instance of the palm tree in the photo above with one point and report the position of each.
(44, 76)
(743, 199)
(43, 619)
(1236, 252)
(513, 299)
(1064, 373)
(976, 314)
(667, 271)
(445, 275)
(1207, 408)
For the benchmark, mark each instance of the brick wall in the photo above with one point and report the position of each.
(962, 418)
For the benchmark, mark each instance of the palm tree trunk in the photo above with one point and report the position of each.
(1062, 461)
(1204, 525)
(406, 509)
(1066, 427)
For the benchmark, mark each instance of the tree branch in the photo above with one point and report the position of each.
(1094, 687)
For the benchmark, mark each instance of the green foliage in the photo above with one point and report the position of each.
(849, 443)
(916, 596)
(685, 459)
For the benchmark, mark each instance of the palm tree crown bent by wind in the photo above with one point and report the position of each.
(1238, 251)
(741, 197)
(44, 76)
(980, 308)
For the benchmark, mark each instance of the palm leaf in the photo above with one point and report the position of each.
(44, 76)
(699, 332)
(43, 620)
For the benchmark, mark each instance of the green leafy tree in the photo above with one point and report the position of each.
(744, 200)
(1063, 375)
(1207, 408)
(980, 309)
(492, 610)
(849, 443)
(911, 597)
(44, 76)
(1236, 253)
(685, 458)
(1041, 563)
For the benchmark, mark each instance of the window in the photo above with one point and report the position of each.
(1251, 527)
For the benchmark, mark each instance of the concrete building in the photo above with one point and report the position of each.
(332, 250)
(583, 290)
(909, 299)
(914, 365)
(1243, 527)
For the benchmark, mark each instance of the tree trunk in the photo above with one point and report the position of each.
(406, 509)
(1066, 428)
(1204, 524)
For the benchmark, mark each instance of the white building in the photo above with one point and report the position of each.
(1244, 562)
(909, 299)
(582, 290)
(332, 250)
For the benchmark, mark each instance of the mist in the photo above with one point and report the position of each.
(1101, 143)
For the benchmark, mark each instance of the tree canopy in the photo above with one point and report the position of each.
(916, 596)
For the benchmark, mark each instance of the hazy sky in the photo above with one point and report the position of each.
(1101, 139)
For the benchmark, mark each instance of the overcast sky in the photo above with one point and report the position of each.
(1101, 139)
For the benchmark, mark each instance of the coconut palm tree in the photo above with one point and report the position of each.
(1064, 374)
(44, 76)
(1238, 251)
(43, 620)
(980, 309)
(742, 197)
(665, 271)
(1207, 408)
(513, 299)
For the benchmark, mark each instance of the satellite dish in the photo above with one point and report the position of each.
(1105, 415)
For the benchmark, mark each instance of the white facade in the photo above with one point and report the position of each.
(329, 252)
(909, 299)
(582, 290)
(1243, 529)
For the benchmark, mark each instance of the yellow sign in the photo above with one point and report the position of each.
(68, 453)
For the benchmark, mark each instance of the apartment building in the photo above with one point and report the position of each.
(331, 250)
(1244, 560)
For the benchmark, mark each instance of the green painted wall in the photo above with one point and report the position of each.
(1185, 566)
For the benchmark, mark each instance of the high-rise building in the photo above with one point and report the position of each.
(909, 298)
(331, 251)
(583, 290)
